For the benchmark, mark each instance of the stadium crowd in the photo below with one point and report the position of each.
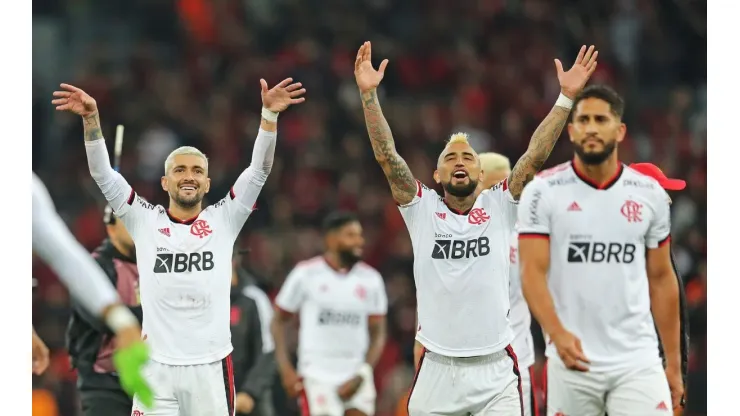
(186, 73)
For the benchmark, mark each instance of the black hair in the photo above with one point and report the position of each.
(337, 220)
(603, 93)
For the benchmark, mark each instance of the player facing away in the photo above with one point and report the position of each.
(54, 244)
(461, 255)
(341, 304)
(595, 260)
(184, 256)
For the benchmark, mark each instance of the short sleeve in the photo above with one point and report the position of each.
(534, 211)
(659, 231)
(506, 201)
(413, 210)
(290, 297)
(379, 300)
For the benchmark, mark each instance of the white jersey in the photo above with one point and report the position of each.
(185, 265)
(598, 242)
(521, 319)
(333, 307)
(461, 270)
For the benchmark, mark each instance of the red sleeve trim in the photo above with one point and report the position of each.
(131, 197)
(231, 193)
(543, 236)
(418, 188)
(505, 184)
(664, 241)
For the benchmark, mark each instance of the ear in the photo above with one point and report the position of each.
(570, 132)
(208, 184)
(436, 176)
(621, 132)
(163, 181)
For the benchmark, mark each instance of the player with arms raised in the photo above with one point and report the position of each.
(595, 260)
(461, 250)
(184, 256)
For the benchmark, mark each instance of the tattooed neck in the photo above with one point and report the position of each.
(92, 128)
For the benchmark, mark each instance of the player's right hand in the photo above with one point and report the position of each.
(366, 76)
(291, 382)
(130, 357)
(570, 351)
(39, 354)
(75, 101)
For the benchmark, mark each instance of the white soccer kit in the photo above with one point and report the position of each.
(185, 277)
(598, 241)
(521, 321)
(461, 269)
(334, 307)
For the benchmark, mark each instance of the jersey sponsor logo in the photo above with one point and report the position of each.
(200, 229)
(219, 203)
(574, 206)
(536, 198)
(165, 231)
(183, 262)
(330, 317)
(561, 182)
(632, 211)
(638, 184)
(598, 252)
(461, 249)
(143, 203)
(478, 216)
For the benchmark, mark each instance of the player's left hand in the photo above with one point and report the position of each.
(282, 96)
(675, 382)
(40, 355)
(244, 403)
(573, 81)
(349, 388)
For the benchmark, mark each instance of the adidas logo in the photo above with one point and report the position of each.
(165, 231)
(662, 406)
(574, 207)
(441, 215)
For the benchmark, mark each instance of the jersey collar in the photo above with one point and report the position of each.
(179, 221)
(604, 186)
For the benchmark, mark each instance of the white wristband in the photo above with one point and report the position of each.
(268, 115)
(119, 317)
(366, 370)
(564, 102)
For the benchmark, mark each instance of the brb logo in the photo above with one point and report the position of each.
(200, 228)
(595, 252)
(460, 249)
(183, 262)
(478, 216)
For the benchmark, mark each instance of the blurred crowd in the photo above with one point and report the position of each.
(187, 72)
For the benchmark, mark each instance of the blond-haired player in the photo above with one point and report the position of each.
(461, 255)
(184, 256)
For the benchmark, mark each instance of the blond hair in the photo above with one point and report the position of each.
(183, 150)
(493, 162)
(459, 137)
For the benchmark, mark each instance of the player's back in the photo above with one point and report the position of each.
(598, 240)
(334, 307)
(461, 266)
(185, 279)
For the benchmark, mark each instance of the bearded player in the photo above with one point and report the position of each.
(341, 303)
(461, 254)
(594, 244)
(184, 256)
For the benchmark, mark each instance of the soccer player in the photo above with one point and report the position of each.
(184, 256)
(595, 260)
(54, 244)
(341, 303)
(89, 342)
(461, 254)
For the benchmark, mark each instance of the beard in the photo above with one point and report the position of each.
(461, 191)
(348, 257)
(187, 202)
(595, 158)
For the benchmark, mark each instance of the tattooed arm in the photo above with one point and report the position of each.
(397, 172)
(542, 142)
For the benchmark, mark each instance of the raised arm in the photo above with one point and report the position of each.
(547, 133)
(397, 172)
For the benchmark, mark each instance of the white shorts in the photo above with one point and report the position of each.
(189, 390)
(637, 391)
(460, 386)
(322, 399)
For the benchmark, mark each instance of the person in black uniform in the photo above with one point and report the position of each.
(89, 341)
(253, 356)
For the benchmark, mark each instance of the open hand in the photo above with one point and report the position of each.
(573, 81)
(282, 95)
(75, 101)
(366, 76)
(570, 351)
